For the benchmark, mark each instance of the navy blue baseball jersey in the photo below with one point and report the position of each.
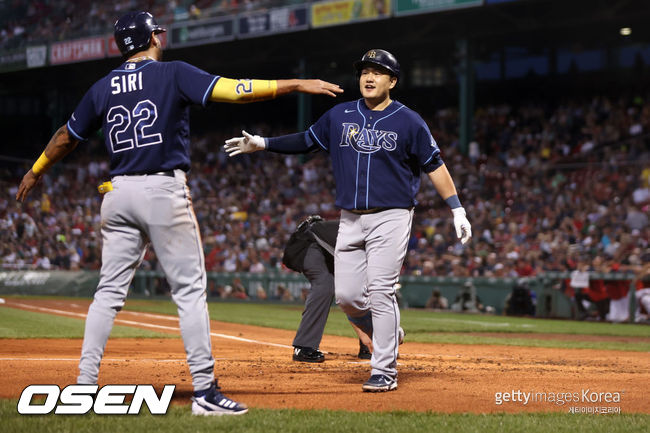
(377, 156)
(143, 109)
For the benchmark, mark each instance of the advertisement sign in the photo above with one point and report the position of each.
(203, 32)
(338, 12)
(12, 60)
(77, 51)
(280, 20)
(405, 7)
(36, 56)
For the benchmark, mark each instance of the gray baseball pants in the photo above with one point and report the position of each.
(156, 209)
(370, 250)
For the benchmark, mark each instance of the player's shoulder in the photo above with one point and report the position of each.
(408, 113)
(404, 110)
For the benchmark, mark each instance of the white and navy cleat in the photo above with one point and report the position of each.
(380, 383)
(211, 402)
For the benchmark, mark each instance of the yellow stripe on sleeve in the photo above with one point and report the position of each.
(243, 91)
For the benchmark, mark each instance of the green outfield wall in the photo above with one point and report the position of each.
(414, 291)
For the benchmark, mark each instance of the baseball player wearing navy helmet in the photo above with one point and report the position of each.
(379, 148)
(143, 108)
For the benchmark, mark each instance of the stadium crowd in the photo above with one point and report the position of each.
(545, 189)
(38, 21)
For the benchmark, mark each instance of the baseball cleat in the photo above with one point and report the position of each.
(364, 352)
(380, 383)
(211, 402)
(307, 354)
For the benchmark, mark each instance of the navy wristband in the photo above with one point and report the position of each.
(453, 201)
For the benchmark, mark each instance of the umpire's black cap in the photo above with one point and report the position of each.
(378, 57)
(133, 32)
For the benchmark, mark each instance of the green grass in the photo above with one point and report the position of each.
(27, 324)
(456, 338)
(429, 327)
(179, 419)
(421, 326)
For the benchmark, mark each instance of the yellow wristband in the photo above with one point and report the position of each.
(41, 164)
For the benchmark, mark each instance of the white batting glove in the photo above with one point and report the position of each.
(462, 225)
(246, 144)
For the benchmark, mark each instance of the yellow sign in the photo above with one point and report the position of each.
(346, 11)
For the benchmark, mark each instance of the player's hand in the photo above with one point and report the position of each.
(246, 144)
(318, 87)
(29, 181)
(462, 225)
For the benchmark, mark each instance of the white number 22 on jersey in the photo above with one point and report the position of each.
(124, 137)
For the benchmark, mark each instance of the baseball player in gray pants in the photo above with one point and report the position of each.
(379, 148)
(143, 107)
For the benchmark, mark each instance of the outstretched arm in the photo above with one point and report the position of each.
(59, 146)
(314, 87)
(244, 91)
(287, 144)
(444, 184)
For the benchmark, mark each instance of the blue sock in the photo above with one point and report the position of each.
(364, 322)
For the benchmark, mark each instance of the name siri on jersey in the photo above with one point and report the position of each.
(126, 83)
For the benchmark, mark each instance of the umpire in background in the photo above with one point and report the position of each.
(310, 250)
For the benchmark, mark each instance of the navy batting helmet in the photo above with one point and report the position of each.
(133, 32)
(377, 57)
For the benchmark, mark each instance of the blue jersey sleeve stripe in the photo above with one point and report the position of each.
(435, 152)
(77, 136)
(209, 90)
(311, 129)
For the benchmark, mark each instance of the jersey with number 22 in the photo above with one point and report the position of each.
(143, 109)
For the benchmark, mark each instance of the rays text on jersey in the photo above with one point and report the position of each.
(367, 140)
(126, 83)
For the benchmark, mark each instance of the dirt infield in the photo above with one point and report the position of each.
(254, 366)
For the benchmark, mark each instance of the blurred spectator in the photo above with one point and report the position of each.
(437, 301)
(467, 300)
(282, 294)
(238, 289)
(44, 21)
(520, 301)
(260, 293)
(642, 313)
